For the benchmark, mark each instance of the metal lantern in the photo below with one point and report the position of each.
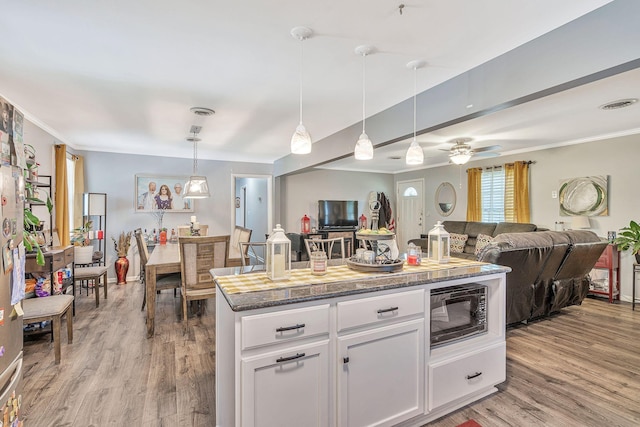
(438, 242)
(278, 255)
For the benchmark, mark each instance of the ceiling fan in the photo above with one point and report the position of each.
(461, 152)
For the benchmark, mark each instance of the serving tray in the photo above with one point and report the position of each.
(386, 267)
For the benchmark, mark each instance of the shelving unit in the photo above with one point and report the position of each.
(610, 261)
(94, 208)
(43, 183)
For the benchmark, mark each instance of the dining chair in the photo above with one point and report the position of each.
(240, 235)
(198, 255)
(165, 281)
(325, 245)
(256, 251)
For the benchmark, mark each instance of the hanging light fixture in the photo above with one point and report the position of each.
(301, 140)
(364, 147)
(415, 155)
(197, 186)
(461, 152)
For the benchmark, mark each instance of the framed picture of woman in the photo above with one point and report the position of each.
(159, 192)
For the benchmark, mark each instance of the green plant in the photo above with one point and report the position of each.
(79, 235)
(29, 238)
(629, 238)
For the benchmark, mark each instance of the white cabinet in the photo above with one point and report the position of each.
(466, 374)
(288, 387)
(380, 375)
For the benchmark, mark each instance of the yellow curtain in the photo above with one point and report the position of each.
(61, 196)
(78, 190)
(516, 198)
(474, 195)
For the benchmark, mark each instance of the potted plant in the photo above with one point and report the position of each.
(629, 238)
(83, 250)
(32, 226)
(122, 263)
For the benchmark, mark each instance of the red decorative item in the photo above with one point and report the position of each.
(122, 267)
(363, 221)
(305, 224)
(163, 237)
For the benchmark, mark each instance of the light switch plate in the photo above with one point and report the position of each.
(554, 194)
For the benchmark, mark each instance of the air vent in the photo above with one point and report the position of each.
(202, 111)
(622, 103)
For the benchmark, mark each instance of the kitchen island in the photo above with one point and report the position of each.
(350, 348)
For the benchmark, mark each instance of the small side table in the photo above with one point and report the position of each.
(636, 269)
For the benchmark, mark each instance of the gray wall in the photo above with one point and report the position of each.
(616, 158)
(257, 206)
(299, 194)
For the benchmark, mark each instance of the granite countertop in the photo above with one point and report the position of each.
(377, 282)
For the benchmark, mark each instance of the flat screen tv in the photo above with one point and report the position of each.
(337, 213)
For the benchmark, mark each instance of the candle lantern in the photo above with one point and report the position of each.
(362, 222)
(278, 255)
(305, 224)
(438, 242)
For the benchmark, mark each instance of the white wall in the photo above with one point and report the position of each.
(300, 193)
(616, 158)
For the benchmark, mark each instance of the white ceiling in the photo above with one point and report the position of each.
(121, 76)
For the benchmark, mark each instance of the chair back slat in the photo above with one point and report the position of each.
(142, 246)
(324, 245)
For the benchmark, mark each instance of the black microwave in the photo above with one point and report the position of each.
(458, 312)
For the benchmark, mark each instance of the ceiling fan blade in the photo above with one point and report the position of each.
(486, 154)
(487, 148)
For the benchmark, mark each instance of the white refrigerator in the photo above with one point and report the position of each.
(11, 290)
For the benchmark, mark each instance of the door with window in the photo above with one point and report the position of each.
(410, 196)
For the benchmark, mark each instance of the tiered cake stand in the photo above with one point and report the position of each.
(379, 265)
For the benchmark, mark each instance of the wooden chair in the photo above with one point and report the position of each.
(324, 245)
(240, 235)
(50, 308)
(166, 281)
(94, 274)
(198, 255)
(255, 250)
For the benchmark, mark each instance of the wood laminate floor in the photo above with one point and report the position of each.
(579, 368)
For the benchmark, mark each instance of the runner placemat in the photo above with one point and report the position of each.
(251, 282)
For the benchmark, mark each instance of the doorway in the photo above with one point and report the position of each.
(410, 196)
(252, 206)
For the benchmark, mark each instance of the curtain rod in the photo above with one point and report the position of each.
(529, 162)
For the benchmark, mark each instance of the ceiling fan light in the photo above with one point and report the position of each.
(460, 158)
(415, 155)
(301, 141)
(364, 148)
(196, 188)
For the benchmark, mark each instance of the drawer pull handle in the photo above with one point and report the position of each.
(476, 375)
(386, 310)
(290, 328)
(287, 359)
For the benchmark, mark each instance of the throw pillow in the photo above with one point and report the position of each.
(457, 242)
(481, 241)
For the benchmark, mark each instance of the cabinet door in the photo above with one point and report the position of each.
(287, 388)
(381, 375)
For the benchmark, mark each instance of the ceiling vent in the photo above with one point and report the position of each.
(621, 103)
(202, 111)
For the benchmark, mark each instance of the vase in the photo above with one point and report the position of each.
(122, 267)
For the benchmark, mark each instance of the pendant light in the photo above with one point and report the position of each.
(197, 186)
(415, 155)
(301, 140)
(364, 147)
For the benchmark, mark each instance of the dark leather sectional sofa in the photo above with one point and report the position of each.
(549, 269)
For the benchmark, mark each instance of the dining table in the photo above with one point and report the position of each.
(164, 259)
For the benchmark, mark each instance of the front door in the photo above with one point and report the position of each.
(410, 211)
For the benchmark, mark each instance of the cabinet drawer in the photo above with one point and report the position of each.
(367, 311)
(283, 326)
(467, 374)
